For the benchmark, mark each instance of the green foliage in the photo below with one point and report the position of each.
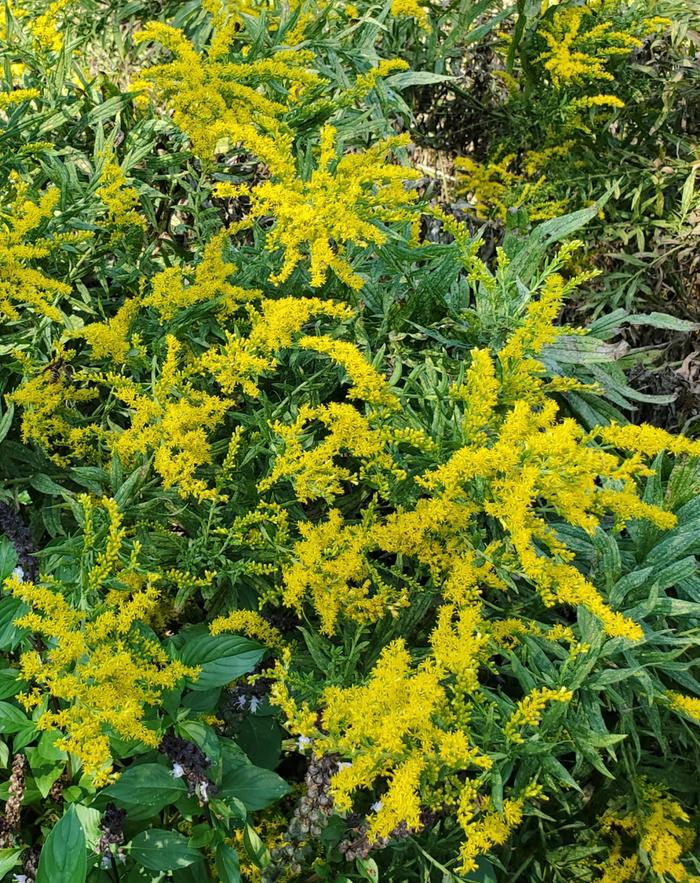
(326, 553)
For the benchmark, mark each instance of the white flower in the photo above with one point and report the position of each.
(254, 703)
(106, 861)
(241, 701)
(20, 878)
(376, 806)
(203, 792)
(178, 771)
(344, 765)
(303, 742)
(18, 573)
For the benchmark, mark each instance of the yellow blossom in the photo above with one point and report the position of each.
(250, 623)
(119, 197)
(529, 710)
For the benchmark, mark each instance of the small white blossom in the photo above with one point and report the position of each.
(20, 878)
(202, 790)
(376, 806)
(241, 701)
(344, 765)
(303, 742)
(106, 862)
(18, 573)
(178, 771)
(254, 703)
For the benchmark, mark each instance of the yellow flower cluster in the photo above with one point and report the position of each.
(407, 727)
(332, 568)
(216, 102)
(221, 104)
(411, 9)
(119, 197)
(250, 623)
(617, 868)
(495, 187)
(315, 471)
(110, 339)
(367, 383)
(663, 832)
(529, 710)
(490, 827)
(340, 203)
(44, 29)
(171, 290)
(576, 52)
(240, 361)
(175, 423)
(388, 729)
(100, 670)
(50, 400)
(581, 40)
(688, 705)
(20, 283)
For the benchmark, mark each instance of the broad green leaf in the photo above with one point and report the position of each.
(227, 864)
(9, 858)
(64, 858)
(160, 850)
(221, 659)
(12, 719)
(148, 785)
(254, 786)
(368, 870)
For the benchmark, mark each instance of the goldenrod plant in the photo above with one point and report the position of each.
(328, 551)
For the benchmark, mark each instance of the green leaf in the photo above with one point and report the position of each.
(12, 719)
(9, 858)
(63, 858)
(221, 659)
(160, 850)
(10, 609)
(256, 849)
(6, 421)
(415, 78)
(662, 320)
(254, 786)
(227, 864)
(368, 870)
(149, 786)
(8, 558)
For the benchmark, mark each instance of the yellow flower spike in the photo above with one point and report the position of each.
(687, 705)
(341, 202)
(251, 624)
(411, 9)
(111, 339)
(119, 197)
(367, 384)
(315, 472)
(529, 711)
(21, 284)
